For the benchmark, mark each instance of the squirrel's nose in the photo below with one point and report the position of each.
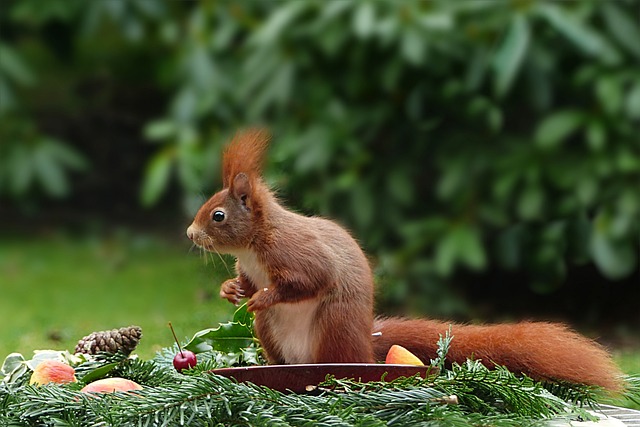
(190, 232)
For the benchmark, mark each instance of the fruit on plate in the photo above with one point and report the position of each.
(52, 371)
(110, 385)
(399, 355)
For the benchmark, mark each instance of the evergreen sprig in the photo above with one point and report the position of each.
(484, 396)
(464, 395)
(633, 389)
(444, 343)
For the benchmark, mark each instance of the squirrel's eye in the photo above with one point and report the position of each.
(218, 216)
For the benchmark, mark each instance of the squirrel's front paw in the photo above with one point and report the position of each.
(232, 291)
(262, 299)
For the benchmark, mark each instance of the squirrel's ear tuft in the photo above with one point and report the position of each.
(244, 155)
(241, 189)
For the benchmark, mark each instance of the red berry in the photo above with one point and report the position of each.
(184, 359)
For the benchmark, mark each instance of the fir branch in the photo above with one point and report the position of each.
(579, 394)
(48, 402)
(498, 391)
(99, 366)
(444, 343)
(106, 365)
(632, 388)
(485, 397)
(629, 396)
(208, 399)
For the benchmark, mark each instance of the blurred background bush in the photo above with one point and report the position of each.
(484, 153)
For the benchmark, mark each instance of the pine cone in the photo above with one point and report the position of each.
(123, 339)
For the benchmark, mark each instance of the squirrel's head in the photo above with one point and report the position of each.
(229, 220)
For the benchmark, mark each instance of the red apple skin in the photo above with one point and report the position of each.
(52, 371)
(399, 355)
(111, 385)
(185, 359)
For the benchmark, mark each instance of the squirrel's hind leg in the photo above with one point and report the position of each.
(342, 336)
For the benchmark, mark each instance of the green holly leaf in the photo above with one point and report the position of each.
(229, 337)
(251, 355)
(243, 317)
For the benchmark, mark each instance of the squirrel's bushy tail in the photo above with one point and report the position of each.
(540, 350)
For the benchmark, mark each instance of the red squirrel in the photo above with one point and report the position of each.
(312, 290)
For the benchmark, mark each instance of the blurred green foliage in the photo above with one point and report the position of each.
(452, 137)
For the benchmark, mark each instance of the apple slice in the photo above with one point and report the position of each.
(52, 371)
(399, 355)
(111, 385)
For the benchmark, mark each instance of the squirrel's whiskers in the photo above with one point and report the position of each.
(209, 253)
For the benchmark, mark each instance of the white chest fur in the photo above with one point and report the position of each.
(293, 327)
(251, 266)
(292, 324)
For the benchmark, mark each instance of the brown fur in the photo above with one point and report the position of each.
(285, 259)
(244, 154)
(311, 289)
(543, 351)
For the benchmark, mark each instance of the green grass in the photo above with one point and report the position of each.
(629, 362)
(55, 290)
